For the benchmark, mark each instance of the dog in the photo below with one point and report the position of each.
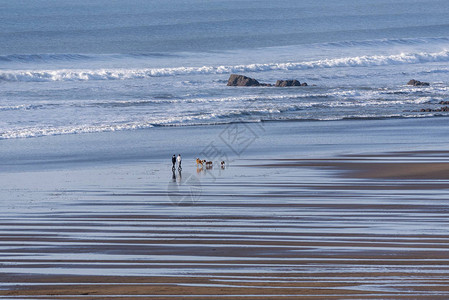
(199, 162)
(208, 164)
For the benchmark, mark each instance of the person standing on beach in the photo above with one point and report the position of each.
(173, 160)
(179, 161)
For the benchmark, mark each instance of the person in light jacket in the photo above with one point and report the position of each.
(179, 161)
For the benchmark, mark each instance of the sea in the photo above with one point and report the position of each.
(81, 67)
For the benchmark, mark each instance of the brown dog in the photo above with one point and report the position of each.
(199, 162)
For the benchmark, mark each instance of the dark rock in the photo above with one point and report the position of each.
(284, 83)
(417, 83)
(444, 102)
(441, 109)
(240, 80)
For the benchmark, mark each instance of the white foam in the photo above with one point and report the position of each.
(124, 74)
(47, 131)
(15, 107)
(224, 117)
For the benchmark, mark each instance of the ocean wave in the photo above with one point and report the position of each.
(78, 129)
(25, 58)
(385, 42)
(124, 74)
(49, 57)
(61, 57)
(27, 106)
(15, 107)
(334, 98)
(217, 119)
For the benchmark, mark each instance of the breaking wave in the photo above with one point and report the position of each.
(124, 74)
(79, 129)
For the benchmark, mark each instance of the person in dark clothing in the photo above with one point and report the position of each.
(173, 160)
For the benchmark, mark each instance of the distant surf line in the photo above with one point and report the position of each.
(126, 74)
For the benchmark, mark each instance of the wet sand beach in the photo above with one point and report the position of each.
(353, 227)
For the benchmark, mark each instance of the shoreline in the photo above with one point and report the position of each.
(269, 139)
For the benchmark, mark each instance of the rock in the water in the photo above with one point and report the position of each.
(240, 80)
(444, 102)
(441, 109)
(417, 83)
(284, 83)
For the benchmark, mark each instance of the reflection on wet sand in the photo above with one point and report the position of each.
(290, 229)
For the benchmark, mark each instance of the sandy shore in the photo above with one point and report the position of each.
(431, 165)
(352, 227)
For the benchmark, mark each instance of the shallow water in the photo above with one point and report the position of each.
(303, 223)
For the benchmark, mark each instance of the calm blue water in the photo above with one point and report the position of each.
(75, 67)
